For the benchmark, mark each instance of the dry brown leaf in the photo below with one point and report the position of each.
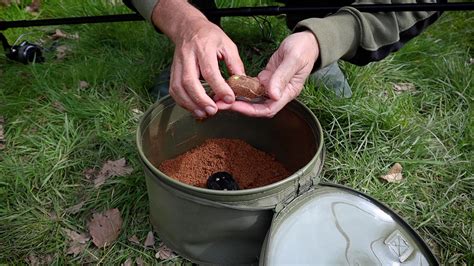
(77, 242)
(34, 7)
(105, 227)
(58, 34)
(76, 208)
(83, 84)
(164, 253)
(394, 175)
(7, 2)
(76, 237)
(74, 36)
(89, 173)
(403, 87)
(137, 114)
(134, 239)
(59, 106)
(110, 169)
(32, 260)
(61, 51)
(75, 249)
(128, 262)
(150, 240)
(139, 261)
(37, 260)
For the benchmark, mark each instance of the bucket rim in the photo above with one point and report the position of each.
(168, 101)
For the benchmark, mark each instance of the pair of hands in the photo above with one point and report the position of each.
(200, 44)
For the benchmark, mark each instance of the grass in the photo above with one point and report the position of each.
(55, 129)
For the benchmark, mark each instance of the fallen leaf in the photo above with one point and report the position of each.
(110, 169)
(134, 240)
(90, 173)
(139, 261)
(58, 34)
(58, 106)
(74, 36)
(36, 260)
(136, 114)
(76, 208)
(394, 175)
(128, 262)
(83, 84)
(34, 7)
(164, 253)
(32, 260)
(150, 240)
(403, 87)
(61, 51)
(76, 237)
(77, 242)
(5, 2)
(105, 227)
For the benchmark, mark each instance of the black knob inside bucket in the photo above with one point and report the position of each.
(222, 181)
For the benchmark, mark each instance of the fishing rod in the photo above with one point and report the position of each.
(28, 52)
(245, 12)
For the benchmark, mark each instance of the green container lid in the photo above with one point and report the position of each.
(335, 225)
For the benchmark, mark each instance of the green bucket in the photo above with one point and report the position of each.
(223, 227)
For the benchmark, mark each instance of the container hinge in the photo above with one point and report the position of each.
(304, 184)
(285, 201)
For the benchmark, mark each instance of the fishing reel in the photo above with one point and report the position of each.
(24, 52)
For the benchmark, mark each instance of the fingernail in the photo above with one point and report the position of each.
(199, 113)
(210, 110)
(228, 99)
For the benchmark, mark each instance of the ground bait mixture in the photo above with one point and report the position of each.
(249, 166)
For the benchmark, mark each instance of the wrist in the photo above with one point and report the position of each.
(312, 41)
(176, 17)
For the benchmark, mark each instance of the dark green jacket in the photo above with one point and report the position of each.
(349, 34)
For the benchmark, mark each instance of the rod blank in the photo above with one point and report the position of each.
(244, 12)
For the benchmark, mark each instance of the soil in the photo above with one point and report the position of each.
(249, 166)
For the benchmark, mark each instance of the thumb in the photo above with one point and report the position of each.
(281, 77)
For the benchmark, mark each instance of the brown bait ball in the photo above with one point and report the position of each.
(244, 86)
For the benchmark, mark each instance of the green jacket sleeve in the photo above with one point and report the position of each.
(361, 38)
(144, 7)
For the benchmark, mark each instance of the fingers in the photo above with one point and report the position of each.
(267, 109)
(186, 89)
(210, 71)
(232, 60)
(282, 75)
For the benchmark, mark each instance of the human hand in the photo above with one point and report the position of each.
(284, 75)
(200, 44)
(198, 52)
